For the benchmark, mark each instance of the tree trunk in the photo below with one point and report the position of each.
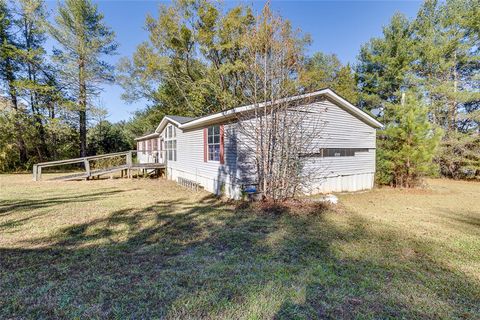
(83, 133)
(42, 148)
(82, 104)
(22, 149)
(51, 115)
(453, 108)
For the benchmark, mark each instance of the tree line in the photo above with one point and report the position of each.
(420, 78)
(47, 98)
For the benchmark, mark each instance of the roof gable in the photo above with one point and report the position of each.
(180, 119)
(176, 120)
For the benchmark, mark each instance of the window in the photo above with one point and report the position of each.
(154, 144)
(213, 143)
(171, 143)
(335, 152)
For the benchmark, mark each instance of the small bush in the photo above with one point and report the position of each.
(459, 156)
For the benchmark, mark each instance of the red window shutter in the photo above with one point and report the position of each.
(222, 145)
(205, 146)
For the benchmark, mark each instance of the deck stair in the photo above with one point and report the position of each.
(126, 169)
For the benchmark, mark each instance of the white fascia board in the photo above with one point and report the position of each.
(150, 135)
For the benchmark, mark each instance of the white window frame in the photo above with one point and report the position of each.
(212, 142)
(170, 143)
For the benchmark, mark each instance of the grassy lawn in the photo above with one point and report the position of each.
(150, 249)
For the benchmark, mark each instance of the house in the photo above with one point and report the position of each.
(207, 150)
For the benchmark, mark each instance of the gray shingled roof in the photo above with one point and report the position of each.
(180, 119)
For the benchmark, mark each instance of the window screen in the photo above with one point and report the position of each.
(213, 143)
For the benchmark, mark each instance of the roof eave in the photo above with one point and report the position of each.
(228, 114)
(150, 135)
(231, 113)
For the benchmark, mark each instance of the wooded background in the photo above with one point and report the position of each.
(420, 78)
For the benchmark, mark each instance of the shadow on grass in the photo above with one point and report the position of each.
(9, 207)
(467, 219)
(178, 259)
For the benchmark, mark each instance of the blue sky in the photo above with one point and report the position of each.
(339, 27)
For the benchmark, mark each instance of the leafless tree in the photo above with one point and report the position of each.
(277, 136)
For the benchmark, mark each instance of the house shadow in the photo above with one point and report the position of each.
(386, 285)
(178, 259)
(25, 206)
(238, 169)
(12, 206)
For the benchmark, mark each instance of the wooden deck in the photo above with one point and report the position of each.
(126, 169)
(154, 165)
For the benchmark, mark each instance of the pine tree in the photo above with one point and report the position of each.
(85, 39)
(33, 75)
(8, 75)
(326, 71)
(320, 71)
(346, 84)
(384, 66)
(447, 62)
(407, 145)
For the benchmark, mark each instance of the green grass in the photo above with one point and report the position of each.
(150, 249)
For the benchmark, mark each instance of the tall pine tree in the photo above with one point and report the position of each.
(384, 66)
(9, 66)
(34, 74)
(448, 71)
(447, 63)
(85, 40)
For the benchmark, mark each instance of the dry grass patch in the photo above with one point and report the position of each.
(150, 249)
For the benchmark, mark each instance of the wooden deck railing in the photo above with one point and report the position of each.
(156, 156)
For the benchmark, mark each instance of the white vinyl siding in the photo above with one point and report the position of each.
(190, 164)
(340, 129)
